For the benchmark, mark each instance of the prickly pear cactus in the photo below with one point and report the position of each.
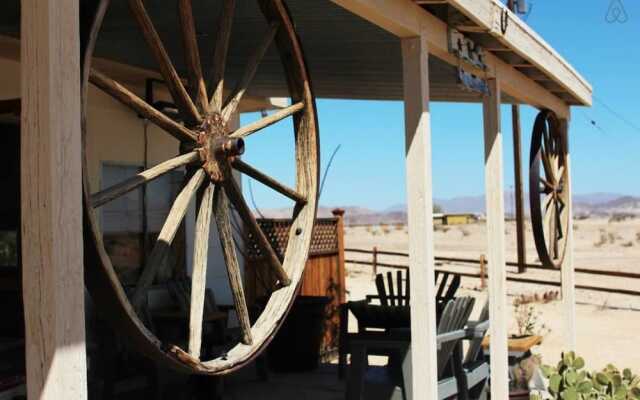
(570, 381)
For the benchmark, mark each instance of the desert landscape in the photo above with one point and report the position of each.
(608, 323)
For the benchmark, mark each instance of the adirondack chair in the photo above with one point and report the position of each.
(451, 331)
(397, 293)
(390, 294)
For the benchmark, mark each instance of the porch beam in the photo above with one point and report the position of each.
(415, 56)
(494, 192)
(404, 18)
(51, 190)
(568, 267)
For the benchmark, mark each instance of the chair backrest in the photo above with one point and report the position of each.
(393, 293)
(447, 284)
(475, 345)
(454, 317)
(398, 293)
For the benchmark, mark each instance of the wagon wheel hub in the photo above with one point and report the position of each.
(218, 150)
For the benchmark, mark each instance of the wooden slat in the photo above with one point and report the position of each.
(166, 236)
(250, 70)
(220, 56)
(104, 196)
(268, 181)
(268, 120)
(382, 291)
(235, 195)
(192, 55)
(392, 292)
(129, 99)
(199, 274)
(494, 193)
(51, 207)
(171, 77)
(227, 244)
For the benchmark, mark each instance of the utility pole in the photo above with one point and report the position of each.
(519, 193)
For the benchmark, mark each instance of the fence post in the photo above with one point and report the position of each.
(375, 262)
(483, 271)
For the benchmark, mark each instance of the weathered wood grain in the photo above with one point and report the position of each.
(199, 274)
(51, 207)
(268, 120)
(268, 181)
(233, 192)
(166, 236)
(494, 193)
(104, 196)
(192, 56)
(168, 71)
(129, 99)
(221, 212)
(220, 55)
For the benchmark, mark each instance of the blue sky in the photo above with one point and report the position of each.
(369, 168)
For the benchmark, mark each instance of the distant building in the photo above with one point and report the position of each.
(455, 219)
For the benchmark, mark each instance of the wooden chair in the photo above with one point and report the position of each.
(398, 293)
(451, 331)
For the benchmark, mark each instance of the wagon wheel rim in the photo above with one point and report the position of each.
(548, 192)
(210, 153)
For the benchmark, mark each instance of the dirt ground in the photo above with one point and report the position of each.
(607, 323)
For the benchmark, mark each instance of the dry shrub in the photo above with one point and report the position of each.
(386, 230)
(602, 240)
(441, 228)
(638, 237)
(627, 244)
(399, 226)
(464, 232)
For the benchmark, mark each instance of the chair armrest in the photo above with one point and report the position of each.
(477, 329)
(450, 337)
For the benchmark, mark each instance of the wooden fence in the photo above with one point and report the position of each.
(482, 263)
(324, 273)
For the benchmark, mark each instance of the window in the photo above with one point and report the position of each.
(122, 221)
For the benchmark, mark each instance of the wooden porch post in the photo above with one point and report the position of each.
(51, 190)
(415, 57)
(568, 274)
(494, 193)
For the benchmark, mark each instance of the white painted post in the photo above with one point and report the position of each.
(415, 57)
(494, 193)
(568, 273)
(51, 187)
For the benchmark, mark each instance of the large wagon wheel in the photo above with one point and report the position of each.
(209, 152)
(548, 192)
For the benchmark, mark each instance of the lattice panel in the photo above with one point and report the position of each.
(323, 241)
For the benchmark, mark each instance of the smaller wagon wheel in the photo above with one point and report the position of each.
(548, 194)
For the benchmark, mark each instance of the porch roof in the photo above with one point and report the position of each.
(353, 47)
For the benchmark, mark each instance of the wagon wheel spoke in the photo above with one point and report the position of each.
(221, 212)
(249, 72)
(546, 162)
(166, 236)
(192, 55)
(559, 211)
(220, 54)
(546, 187)
(556, 229)
(267, 121)
(268, 181)
(235, 196)
(199, 275)
(129, 99)
(168, 71)
(113, 192)
(547, 202)
(550, 224)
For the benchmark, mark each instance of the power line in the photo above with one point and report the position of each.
(593, 123)
(616, 114)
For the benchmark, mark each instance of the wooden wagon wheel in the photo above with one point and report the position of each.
(209, 152)
(548, 193)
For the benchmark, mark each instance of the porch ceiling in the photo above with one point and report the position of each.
(348, 56)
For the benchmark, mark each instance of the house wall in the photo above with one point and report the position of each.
(115, 135)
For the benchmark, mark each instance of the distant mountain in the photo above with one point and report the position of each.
(590, 204)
